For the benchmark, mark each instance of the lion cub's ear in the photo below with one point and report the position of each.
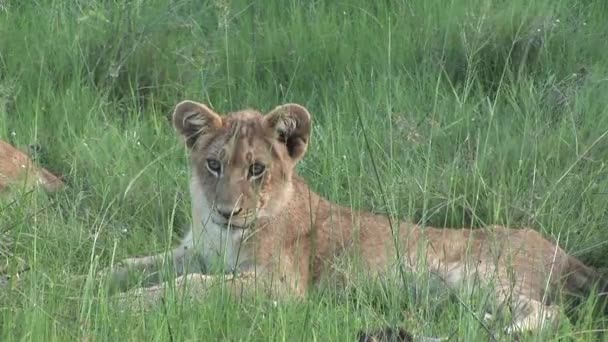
(194, 120)
(291, 125)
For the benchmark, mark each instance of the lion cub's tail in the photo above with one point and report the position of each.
(582, 279)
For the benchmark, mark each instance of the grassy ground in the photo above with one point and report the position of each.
(477, 111)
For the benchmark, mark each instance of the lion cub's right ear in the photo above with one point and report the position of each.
(194, 120)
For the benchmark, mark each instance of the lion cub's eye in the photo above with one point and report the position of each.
(256, 170)
(214, 166)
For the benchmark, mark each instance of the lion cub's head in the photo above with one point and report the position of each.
(243, 162)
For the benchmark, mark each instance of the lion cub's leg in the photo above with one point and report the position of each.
(186, 287)
(531, 315)
(150, 269)
(193, 286)
(528, 312)
(271, 279)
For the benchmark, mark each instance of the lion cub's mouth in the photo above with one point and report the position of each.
(230, 224)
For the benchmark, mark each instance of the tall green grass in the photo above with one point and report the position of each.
(477, 112)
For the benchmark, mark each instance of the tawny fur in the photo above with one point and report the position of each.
(277, 231)
(17, 169)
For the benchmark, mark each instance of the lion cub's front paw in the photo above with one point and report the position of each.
(190, 287)
(118, 276)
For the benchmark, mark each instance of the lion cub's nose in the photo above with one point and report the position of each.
(228, 213)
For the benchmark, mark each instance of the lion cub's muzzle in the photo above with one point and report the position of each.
(234, 218)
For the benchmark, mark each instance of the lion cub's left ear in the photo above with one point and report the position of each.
(291, 125)
(194, 120)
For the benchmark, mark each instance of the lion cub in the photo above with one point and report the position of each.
(17, 167)
(253, 216)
